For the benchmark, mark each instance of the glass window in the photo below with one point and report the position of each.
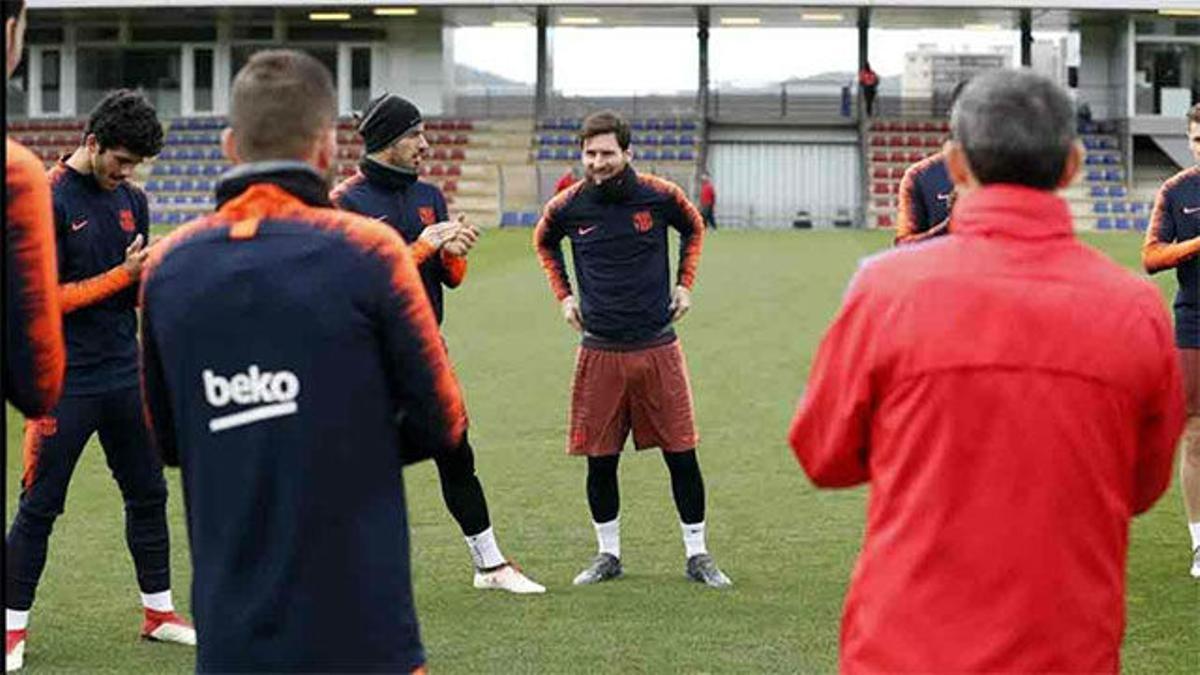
(51, 61)
(155, 71)
(17, 105)
(485, 85)
(202, 69)
(360, 77)
(1166, 78)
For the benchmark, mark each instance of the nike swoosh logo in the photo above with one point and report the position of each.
(79, 224)
(1187, 211)
(944, 197)
(585, 230)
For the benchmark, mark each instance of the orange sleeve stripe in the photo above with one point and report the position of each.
(29, 225)
(382, 240)
(31, 449)
(341, 188)
(551, 263)
(421, 251)
(689, 257)
(906, 218)
(456, 269)
(77, 294)
(1157, 254)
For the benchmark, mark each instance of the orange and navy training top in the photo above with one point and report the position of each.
(291, 367)
(618, 235)
(409, 206)
(1173, 240)
(925, 194)
(34, 357)
(93, 227)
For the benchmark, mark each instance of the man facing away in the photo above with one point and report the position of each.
(631, 374)
(1012, 398)
(101, 223)
(387, 188)
(285, 343)
(1173, 241)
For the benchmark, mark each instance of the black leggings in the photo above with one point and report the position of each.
(687, 486)
(461, 489)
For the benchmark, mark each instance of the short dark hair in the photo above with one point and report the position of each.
(282, 101)
(12, 8)
(605, 122)
(125, 119)
(1016, 127)
(1193, 115)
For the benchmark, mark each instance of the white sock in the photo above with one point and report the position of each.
(485, 553)
(15, 619)
(1195, 528)
(693, 538)
(608, 536)
(159, 602)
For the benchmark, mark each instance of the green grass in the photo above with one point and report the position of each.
(762, 302)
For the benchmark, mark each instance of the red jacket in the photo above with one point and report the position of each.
(565, 181)
(708, 194)
(1013, 398)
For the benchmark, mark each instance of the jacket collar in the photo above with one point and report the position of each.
(1012, 211)
(296, 178)
(617, 189)
(387, 176)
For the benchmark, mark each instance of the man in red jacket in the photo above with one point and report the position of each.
(1013, 398)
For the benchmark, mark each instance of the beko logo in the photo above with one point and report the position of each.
(272, 393)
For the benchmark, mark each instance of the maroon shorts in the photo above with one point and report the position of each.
(646, 391)
(1189, 360)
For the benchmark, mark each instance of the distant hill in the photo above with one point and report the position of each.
(468, 76)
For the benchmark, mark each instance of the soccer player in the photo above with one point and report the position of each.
(101, 222)
(1173, 241)
(926, 196)
(282, 342)
(1012, 399)
(631, 373)
(386, 188)
(34, 358)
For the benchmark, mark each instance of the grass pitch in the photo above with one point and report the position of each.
(762, 302)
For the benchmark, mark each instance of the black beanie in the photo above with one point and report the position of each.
(386, 118)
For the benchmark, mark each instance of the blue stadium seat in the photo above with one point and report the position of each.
(670, 124)
(687, 155)
(1094, 159)
(545, 154)
(529, 218)
(1113, 175)
(153, 185)
(669, 139)
(565, 139)
(1090, 144)
(1141, 223)
(193, 170)
(200, 200)
(1122, 223)
(215, 154)
(649, 139)
(1111, 159)
(1100, 207)
(546, 139)
(649, 154)
(638, 125)
(1099, 191)
(213, 169)
(688, 125)
(1119, 207)
(687, 139)
(667, 155)
(169, 185)
(1105, 223)
(1137, 207)
(1116, 191)
(510, 219)
(562, 153)
(1095, 175)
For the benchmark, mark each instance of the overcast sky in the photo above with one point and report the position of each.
(594, 61)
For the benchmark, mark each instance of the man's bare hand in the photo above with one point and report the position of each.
(681, 302)
(135, 257)
(438, 234)
(571, 313)
(465, 239)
